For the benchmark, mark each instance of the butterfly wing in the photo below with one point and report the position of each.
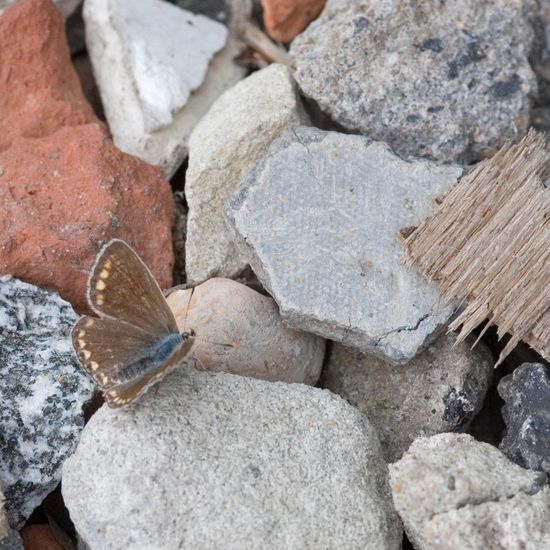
(107, 348)
(123, 394)
(104, 346)
(122, 287)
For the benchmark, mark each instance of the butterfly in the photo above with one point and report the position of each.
(134, 342)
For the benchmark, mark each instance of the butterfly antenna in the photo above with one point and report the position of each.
(187, 309)
(215, 343)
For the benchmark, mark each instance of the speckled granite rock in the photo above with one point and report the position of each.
(225, 461)
(223, 147)
(317, 218)
(452, 492)
(526, 413)
(42, 391)
(9, 539)
(445, 80)
(440, 390)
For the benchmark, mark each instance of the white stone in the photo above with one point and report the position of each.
(211, 461)
(452, 491)
(223, 147)
(142, 64)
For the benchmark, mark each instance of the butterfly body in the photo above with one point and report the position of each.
(134, 341)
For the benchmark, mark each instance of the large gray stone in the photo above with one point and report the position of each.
(526, 412)
(452, 491)
(9, 539)
(42, 392)
(317, 218)
(148, 57)
(225, 461)
(223, 147)
(445, 80)
(440, 390)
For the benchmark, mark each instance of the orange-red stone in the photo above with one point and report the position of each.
(63, 196)
(39, 89)
(285, 19)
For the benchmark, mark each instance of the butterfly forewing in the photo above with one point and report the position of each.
(122, 287)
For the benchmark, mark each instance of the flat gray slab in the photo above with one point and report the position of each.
(317, 219)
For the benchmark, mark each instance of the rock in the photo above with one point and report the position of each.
(444, 80)
(527, 416)
(9, 539)
(223, 148)
(440, 390)
(218, 10)
(329, 254)
(285, 19)
(230, 462)
(66, 7)
(39, 537)
(78, 192)
(454, 492)
(41, 92)
(241, 332)
(114, 44)
(42, 392)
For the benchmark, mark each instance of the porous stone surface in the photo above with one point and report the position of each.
(125, 62)
(440, 390)
(239, 330)
(224, 146)
(444, 80)
(526, 412)
(66, 7)
(317, 218)
(79, 192)
(42, 392)
(226, 461)
(284, 19)
(452, 491)
(41, 92)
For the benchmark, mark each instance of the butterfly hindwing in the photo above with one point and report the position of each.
(123, 394)
(122, 287)
(104, 346)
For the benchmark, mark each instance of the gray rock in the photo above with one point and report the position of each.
(146, 85)
(452, 491)
(42, 392)
(9, 539)
(317, 218)
(218, 10)
(225, 461)
(440, 390)
(223, 148)
(444, 80)
(526, 413)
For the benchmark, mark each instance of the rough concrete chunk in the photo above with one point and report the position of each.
(223, 147)
(135, 69)
(317, 219)
(440, 390)
(446, 80)
(224, 461)
(42, 392)
(452, 491)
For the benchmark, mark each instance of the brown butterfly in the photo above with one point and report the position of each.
(135, 341)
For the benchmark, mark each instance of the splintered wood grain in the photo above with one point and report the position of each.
(488, 244)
